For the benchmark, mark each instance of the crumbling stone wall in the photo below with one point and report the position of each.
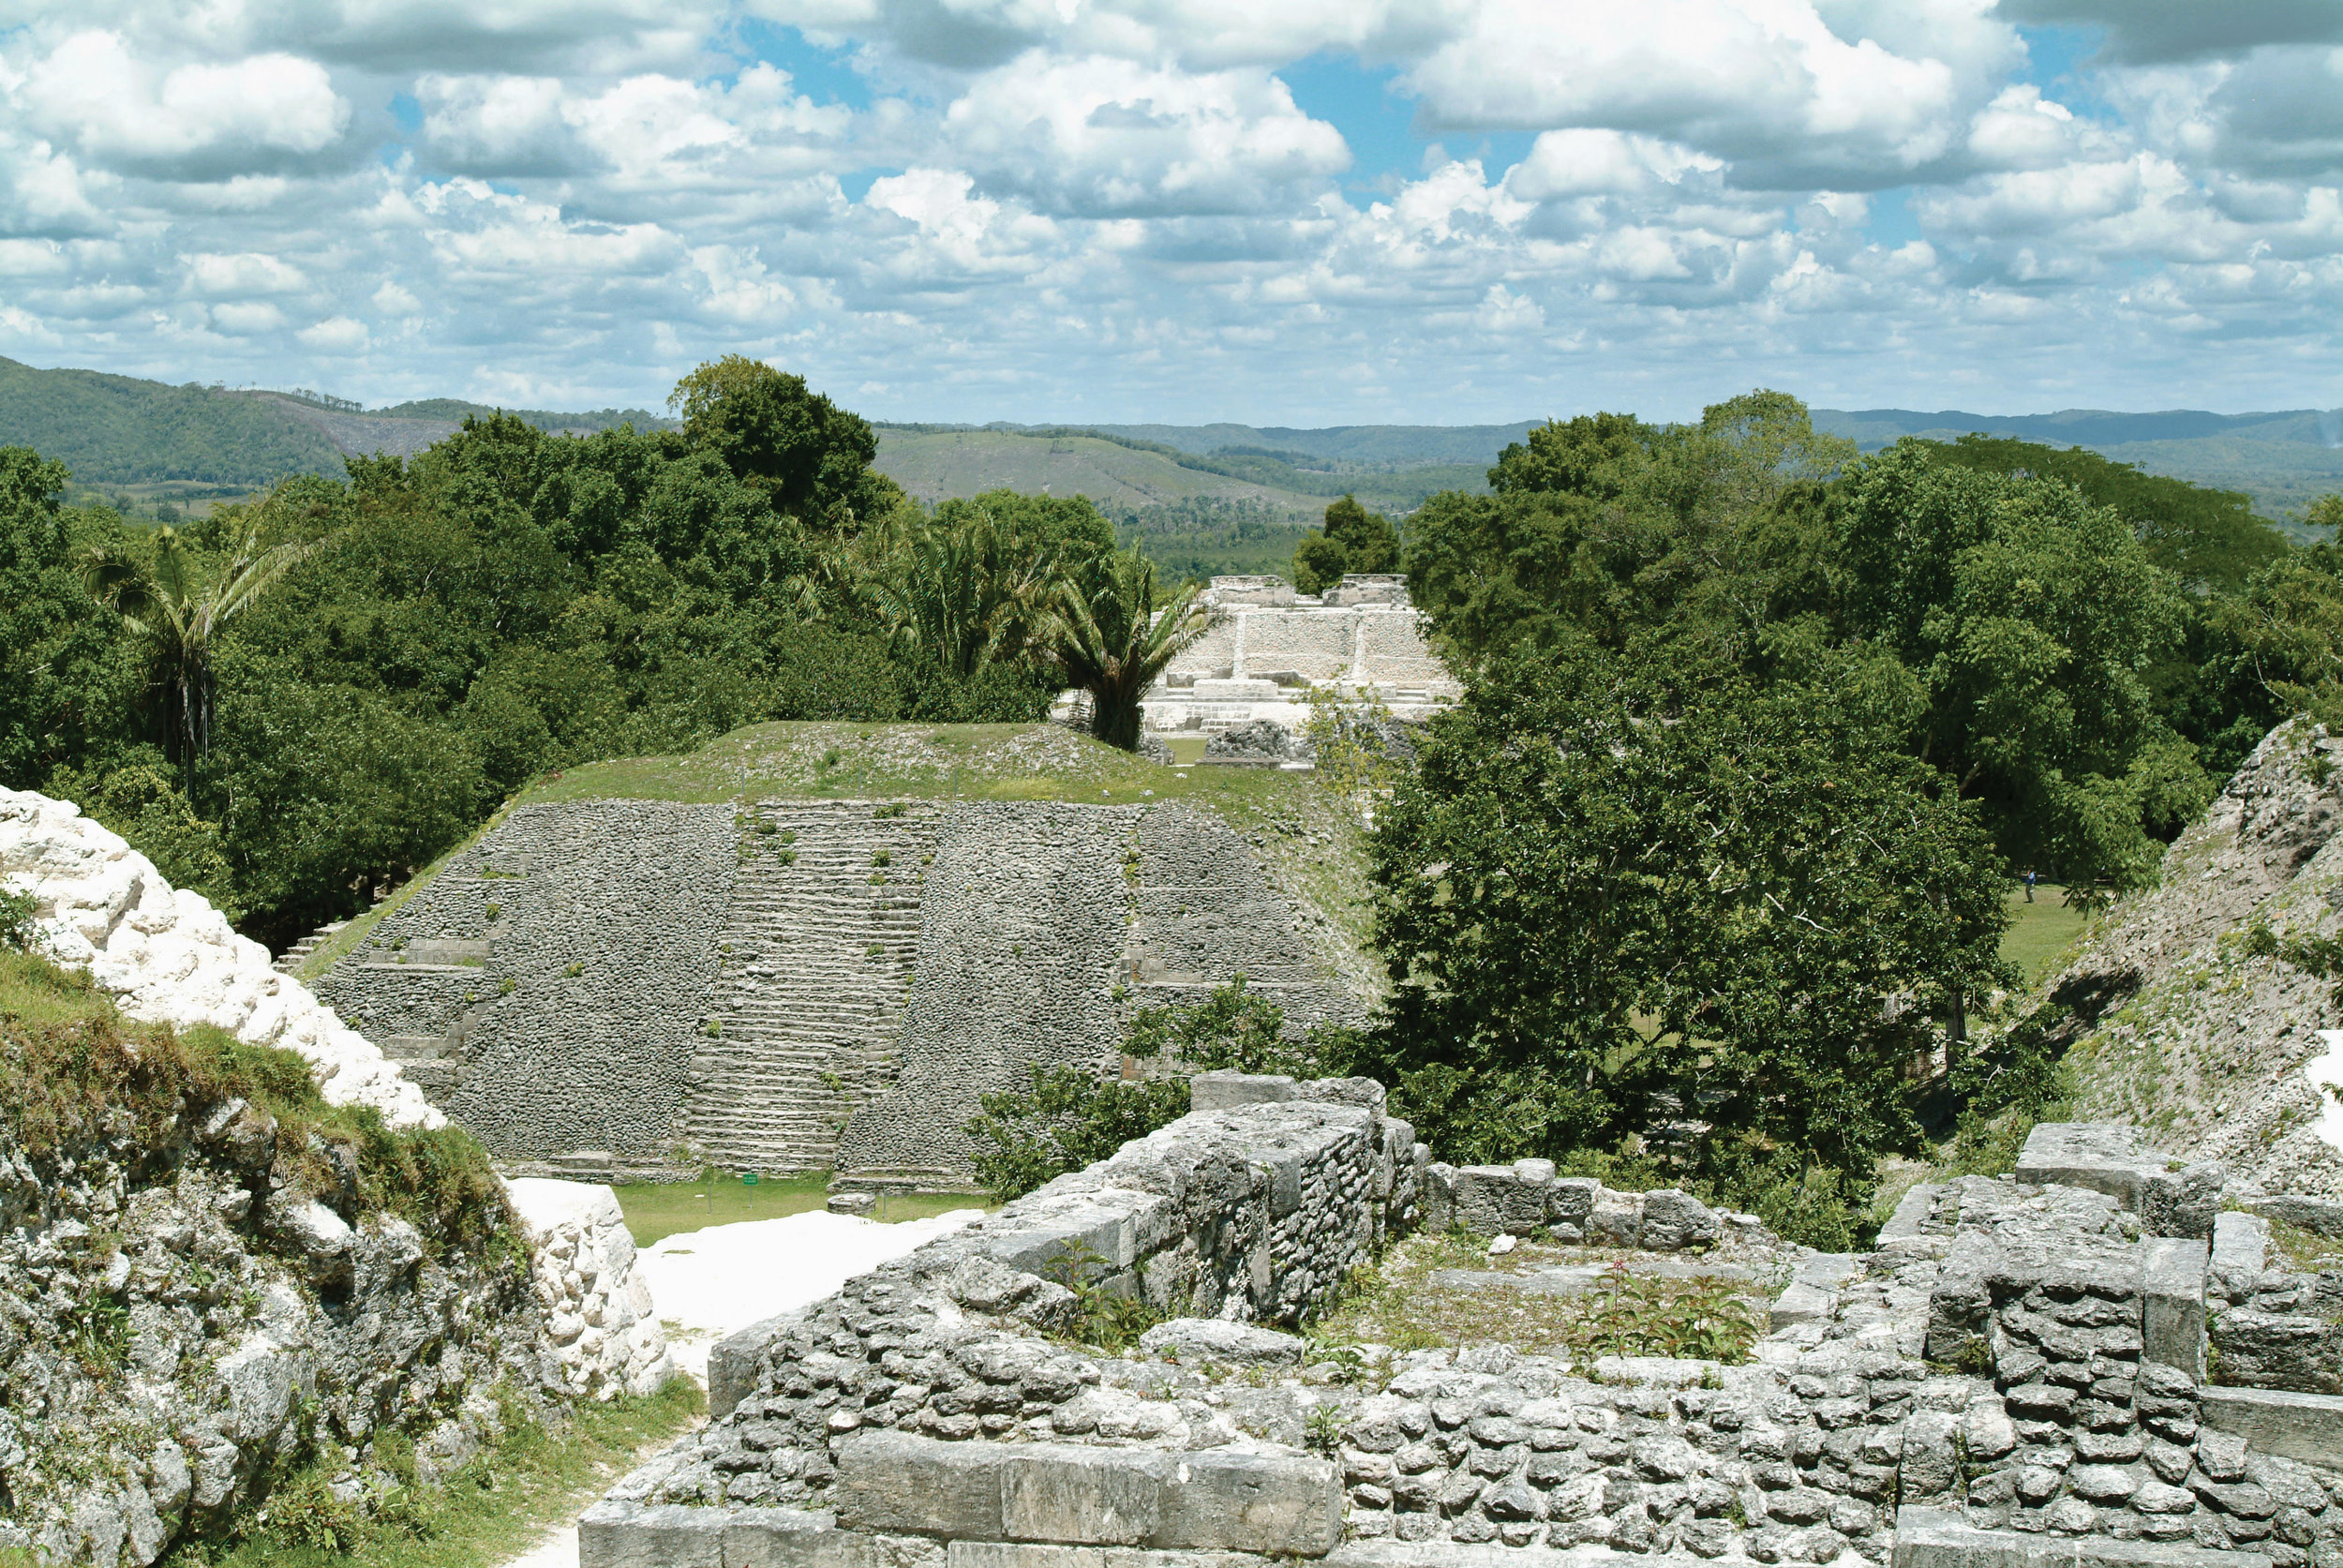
(2009, 1376)
(1253, 1212)
(2178, 1025)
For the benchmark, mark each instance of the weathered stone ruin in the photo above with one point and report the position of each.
(800, 985)
(1268, 648)
(2016, 1373)
(2180, 1023)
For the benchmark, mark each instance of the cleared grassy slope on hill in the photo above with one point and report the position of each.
(936, 466)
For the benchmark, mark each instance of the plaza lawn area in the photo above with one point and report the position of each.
(659, 1209)
(2040, 932)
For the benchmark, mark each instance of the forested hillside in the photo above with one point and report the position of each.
(2285, 460)
(119, 430)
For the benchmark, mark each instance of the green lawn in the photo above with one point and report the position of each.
(2040, 932)
(660, 1209)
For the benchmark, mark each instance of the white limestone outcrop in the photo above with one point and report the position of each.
(601, 1322)
(167, 956)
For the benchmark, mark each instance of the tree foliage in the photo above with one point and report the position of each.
(1620, 895)
(438, 632)
(1111, 639)
(2083, 650)
(1352, 540)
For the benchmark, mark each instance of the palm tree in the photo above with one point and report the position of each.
(964, 594)
(1111, 641)
(180, 618)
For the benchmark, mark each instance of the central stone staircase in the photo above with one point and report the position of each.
(817, 950)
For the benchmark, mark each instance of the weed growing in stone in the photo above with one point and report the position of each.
(494, 910)
(17, 912)
(575, 969)
(893, 809)
(882, 858)
(1107, 1318)
(508, 985)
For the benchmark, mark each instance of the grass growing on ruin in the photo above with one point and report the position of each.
(74, 1072)
(492, 1508)
(659, 1209)
(1403, 1304)
(978, 762)
(2306, 1250)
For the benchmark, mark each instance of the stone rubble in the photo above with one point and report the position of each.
(2013, 1362)
(2176, 1025)
(600, 1321)
(169, 1338)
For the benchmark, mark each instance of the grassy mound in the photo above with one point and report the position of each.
(1309, 836)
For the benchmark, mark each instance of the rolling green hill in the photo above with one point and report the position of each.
(120, 431)
(2284, 459)
(1232, 509)
(156, 441)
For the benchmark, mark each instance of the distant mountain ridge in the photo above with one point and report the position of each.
(121, 430)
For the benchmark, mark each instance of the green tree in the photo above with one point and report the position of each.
(1352, 540)
(55, 645)
(180, 618)
(1621, 894)
(1603, 526)
(1064, 1119)
(962, 591)
(771, 430)
(2034, 620)
(1111, 641)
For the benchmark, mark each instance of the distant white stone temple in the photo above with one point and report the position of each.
(1268, 648)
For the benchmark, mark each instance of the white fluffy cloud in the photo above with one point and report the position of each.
(1184, 208)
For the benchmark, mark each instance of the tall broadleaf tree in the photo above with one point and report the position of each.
(1112, 642)
(1621, 892)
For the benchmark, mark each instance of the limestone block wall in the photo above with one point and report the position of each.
(1318, 645)
(1394, 652)
(1021, 922)
(541, 1060)
(631, 976)
(1201, 911)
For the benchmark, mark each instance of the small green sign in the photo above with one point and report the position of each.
(748, 1178)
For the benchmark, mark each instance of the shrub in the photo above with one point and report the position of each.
(18, 912)
(1068, 1117)
(73, 1074)
(1064, 1119)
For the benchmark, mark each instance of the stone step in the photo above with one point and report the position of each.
(803, 993)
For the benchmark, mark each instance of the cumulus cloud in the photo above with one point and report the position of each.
(200, 120)
(1098, 136)
(1181, 208)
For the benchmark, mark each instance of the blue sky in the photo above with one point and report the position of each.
(1325, 211)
